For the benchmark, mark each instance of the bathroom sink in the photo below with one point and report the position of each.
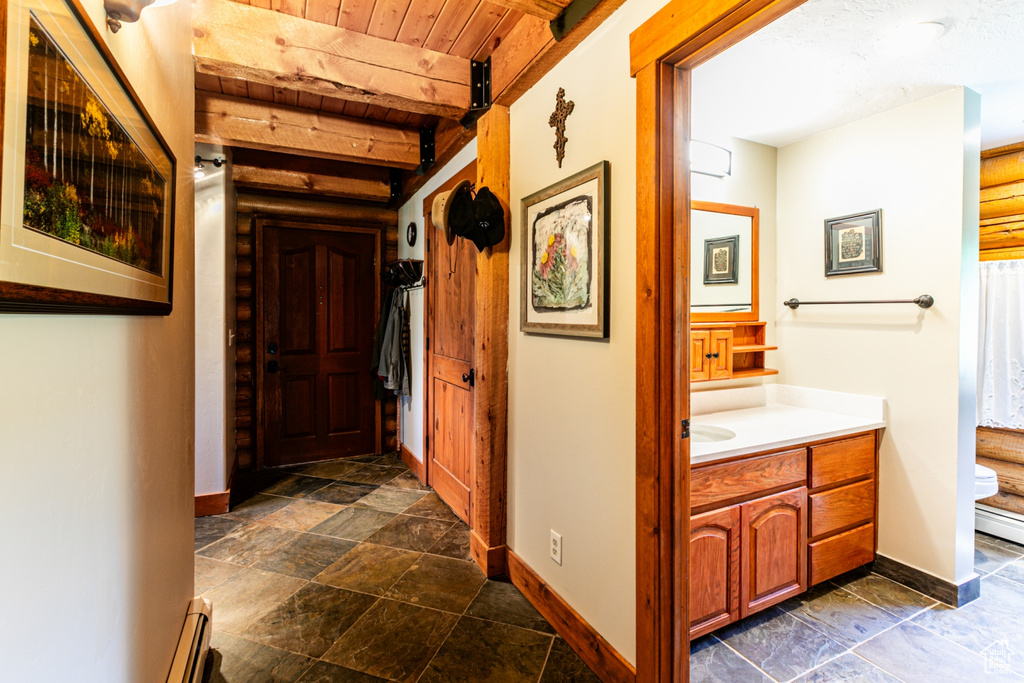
(709, 433)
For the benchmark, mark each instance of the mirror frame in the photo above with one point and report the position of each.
(755, 254)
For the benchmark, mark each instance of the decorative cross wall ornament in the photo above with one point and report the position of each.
(557, 121)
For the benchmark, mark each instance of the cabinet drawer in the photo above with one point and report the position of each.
(841, 553)
(834, 462)
(841, 507)
(734, 481)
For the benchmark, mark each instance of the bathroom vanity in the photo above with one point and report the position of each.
(783, 496)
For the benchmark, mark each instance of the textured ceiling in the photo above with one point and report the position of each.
(820, 67)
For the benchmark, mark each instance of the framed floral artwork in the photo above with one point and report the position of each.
(564, 269)
(87, 201)
(853, 244)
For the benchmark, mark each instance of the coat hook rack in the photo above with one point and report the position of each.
(924, 301)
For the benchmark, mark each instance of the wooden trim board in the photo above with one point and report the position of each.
(213, 503)
(490, 559)
(598, 653)
(416, 466)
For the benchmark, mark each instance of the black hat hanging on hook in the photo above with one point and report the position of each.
(480, 219)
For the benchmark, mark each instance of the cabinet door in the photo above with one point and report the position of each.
(774, 555)
(700, 349)
(714, 569)
(721, 354)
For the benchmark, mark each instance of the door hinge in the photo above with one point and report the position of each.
(686, 429)
(427, 343)
(428, 244)
(426, 443)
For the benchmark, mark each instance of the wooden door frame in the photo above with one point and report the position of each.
(663, 51)
(260, 222)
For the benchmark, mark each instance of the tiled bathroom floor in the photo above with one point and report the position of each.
(351, 572)
(863, 627)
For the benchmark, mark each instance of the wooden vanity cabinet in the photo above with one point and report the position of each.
(774, 555)
(710, 355)
(714, 569)
(728, 351)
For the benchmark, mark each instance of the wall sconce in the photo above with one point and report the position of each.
(128, 10)
(710, 159)
(199, 171)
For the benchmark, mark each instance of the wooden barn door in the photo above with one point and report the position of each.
(450, 418)
(315, 335)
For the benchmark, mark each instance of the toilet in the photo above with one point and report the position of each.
(986, 483)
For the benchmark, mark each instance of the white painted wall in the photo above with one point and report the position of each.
(411, 407)
(96, 439)
(919, 164)
(215, 315)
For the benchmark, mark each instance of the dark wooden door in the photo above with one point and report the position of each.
(714, 570)
(774, 553)
(450, 356)
(319, 302)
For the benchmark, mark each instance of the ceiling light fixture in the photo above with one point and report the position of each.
(911, 39)
(709, 159)
(128, 10)
(199, 171)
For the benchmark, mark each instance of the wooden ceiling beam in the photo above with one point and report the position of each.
(304, 182)
(233, 40)
(253, 124)
(547, 10)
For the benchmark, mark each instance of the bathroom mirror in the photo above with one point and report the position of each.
(723, 262)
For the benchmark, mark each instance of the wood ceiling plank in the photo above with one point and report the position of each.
(479, 27)
(233, 86)
(296, 8)
(450, 22)
(310, 101)
(305, 182)
(397, 117)
(498, 35)
(323, 11)
(356, 109)
(208, 83)
(234, 40)
(418, 21)
(260, 91)
(289, 97)
(543, 9)
(376, 113)
(225, 120)
(355, 15)
(387, 18)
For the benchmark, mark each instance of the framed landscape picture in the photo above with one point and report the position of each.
(564, 269)
(720, 260)
(87, 205)
(853, 244)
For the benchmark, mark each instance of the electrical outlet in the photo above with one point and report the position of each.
(556, 546)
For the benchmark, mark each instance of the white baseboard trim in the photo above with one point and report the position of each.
(999, 523)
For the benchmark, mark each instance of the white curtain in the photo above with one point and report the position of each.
(1001, 345)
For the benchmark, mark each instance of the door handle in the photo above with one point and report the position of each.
(469, 377)
(273, 367)
(708, 356)
(714, 355)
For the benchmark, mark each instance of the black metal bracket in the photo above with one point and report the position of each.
(395, 181)
(426, 150)
(479, 91)
(570, 16)
(686, 429)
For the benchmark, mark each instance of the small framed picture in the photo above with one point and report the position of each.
(720, 260)
(853, 244)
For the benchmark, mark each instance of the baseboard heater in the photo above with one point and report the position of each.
(190, 657)
(1001, 523)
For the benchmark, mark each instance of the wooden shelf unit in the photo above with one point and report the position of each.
(744, 342)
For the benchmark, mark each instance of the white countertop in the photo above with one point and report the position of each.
(776, 416)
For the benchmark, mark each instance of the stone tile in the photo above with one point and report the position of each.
(711, 661)
(439, 582)
(916, 655)
(373, 474)
(247, 544)
(257, 507)
(336, 469)
(301, 515)
(296, 486)
(487, 651)
(391, 460)
(848, 667)
(210, 573)
(841, 615)
(392, 640)
(1001, 542)
(390, 499)
(311, 620)
(407, 480)
(355, 524)
(454, 544)
(433, 507)
(985, 621)
(565, 666)
(989, 558)
(305, 556)
(343, 494)
(247, 596)
(324, 672)
(233, 659)
(1013, 571)
(410, 533)
(369, 569)
(894, 598)
(780, 644)
(498, 600)
(365, 459)
(211, 529)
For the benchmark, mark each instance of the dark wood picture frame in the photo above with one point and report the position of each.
(853, 244)
(730, 276)
(598, 206)
(32, 294)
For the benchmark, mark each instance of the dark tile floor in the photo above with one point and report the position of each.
(351, 571)
(863, 627)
